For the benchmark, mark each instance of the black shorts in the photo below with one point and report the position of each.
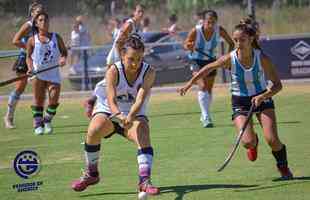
(20, 65)
(241, 105)
(117, 128)
(196, 65)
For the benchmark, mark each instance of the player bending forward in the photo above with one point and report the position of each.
(125, 90)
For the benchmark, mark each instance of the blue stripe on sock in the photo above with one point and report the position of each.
(147, 150)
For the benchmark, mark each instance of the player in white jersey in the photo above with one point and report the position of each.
(45, 49)
(125, 90)
(203, 40)
(131, 26)
(250, 70)
(20, 66)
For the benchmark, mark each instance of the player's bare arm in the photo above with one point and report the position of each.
(189, 43)
(223, 61)
(272, 75)
(126, 29)
(227, 38)
(30, 47)
(112, 77)
(143, 92)
(63, 50)
(21, 33)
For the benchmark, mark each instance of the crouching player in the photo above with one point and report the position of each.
(125, 90)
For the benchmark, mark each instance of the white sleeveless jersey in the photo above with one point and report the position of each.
(207, 46)
(113, 56)
(125, 93)
(46, 55)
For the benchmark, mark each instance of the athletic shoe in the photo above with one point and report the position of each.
(48, 129)
(285, 172)
(147, 187)
(8, 122)
(207, 123)
(89, 107)
(39, 130)
(85, 181)
(252, 152)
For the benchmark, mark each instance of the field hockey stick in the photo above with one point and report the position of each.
(204, 53)
(115, 119)
(7, 82)
(238, 139)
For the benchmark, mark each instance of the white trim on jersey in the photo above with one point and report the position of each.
(46, 55)
(247, 81)
(204, 45)
(125, 93)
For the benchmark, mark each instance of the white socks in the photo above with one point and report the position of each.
(204, 99)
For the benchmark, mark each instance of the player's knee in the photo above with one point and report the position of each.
(94, 130)
(248, 142)
(273, 142)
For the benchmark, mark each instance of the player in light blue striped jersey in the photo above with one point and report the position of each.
(250, 69)
(202, 41)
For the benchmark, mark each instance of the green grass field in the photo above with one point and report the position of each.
(186, 155)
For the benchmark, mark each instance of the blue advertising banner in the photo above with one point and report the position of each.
(290, 54)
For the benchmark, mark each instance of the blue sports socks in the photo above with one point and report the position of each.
(145, 160)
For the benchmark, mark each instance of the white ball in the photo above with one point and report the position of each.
(142, 196)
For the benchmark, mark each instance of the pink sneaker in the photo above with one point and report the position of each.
(147, 187)
(85, 181)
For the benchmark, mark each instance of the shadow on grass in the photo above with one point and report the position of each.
(294, 181)
(60, 132)
(71, 126)
(178, 114)
(182, 190)
(108, 193)
(301, 178)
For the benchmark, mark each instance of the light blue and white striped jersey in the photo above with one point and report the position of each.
(207, 46)
(247, 81)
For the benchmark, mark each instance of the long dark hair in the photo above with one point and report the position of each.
(35, 28)
(34, 6)
(249, 30)
(254, 26)
(211, 13)
(135, 42)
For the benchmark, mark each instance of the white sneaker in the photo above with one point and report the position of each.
(206, 123)
(8, 122)
(39, 130)
(48, 129)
